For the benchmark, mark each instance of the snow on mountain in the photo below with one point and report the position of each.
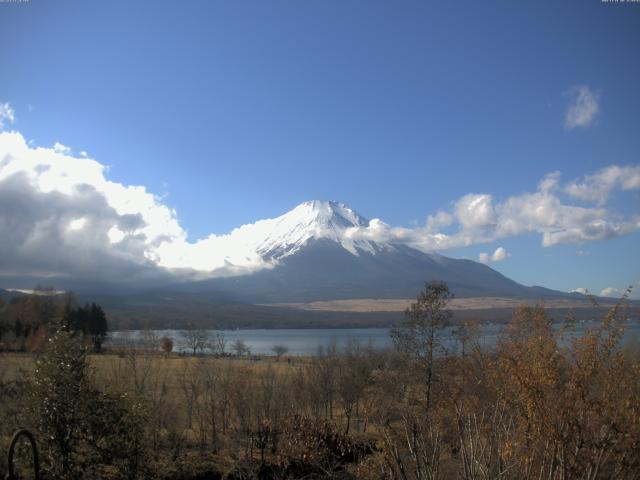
(264, 243)
(313, 220)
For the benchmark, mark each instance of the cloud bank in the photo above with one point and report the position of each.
(597, 188)
(479, 218)
(61, 217)
(611, 292)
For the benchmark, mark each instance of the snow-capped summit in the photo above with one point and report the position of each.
(331, 214)
(315, 219)
(263, 244)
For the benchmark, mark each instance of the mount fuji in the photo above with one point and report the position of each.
(320, 265)
(323, 250)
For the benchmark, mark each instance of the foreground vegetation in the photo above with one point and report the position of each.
(542, 404)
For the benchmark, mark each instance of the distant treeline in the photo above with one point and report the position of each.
(27, 321)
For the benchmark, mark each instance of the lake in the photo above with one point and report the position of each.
(307, 341)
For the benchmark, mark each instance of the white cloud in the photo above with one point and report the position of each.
(439, 220)
(60, 148)
(7, 115)
(581, 290)
(56, 212)
(498, 255)
(475, 211)
(598, 187)
(549, 182)
(478, 218)
(611, 292)
(583, 109)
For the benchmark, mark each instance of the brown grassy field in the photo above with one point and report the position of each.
(13, 364)
(400, 304)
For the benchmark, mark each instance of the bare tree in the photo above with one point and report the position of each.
(485, 443)
(467, 334)
(323, 376)
(279, 350)
(196, 339)
(417, 336)
(138, 353)
(218, 343)
(208, 405)
(188, 381)
(353, 378)
(413, 451)
(241, 348)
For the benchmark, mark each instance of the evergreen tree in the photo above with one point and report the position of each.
(17, 328)
(90, 320)
(97, 326)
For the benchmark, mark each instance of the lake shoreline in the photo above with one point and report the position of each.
(305, 342)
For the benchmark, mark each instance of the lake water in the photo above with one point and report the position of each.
(307, 341)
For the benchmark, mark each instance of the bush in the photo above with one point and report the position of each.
(81, 429)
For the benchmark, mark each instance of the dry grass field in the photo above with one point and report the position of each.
(400, 304)
(13, 364)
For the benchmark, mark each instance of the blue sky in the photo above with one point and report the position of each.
(235, 111)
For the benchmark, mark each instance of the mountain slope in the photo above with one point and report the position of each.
(323, 270)
(315, 254)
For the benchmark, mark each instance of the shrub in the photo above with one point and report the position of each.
(81, 429)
